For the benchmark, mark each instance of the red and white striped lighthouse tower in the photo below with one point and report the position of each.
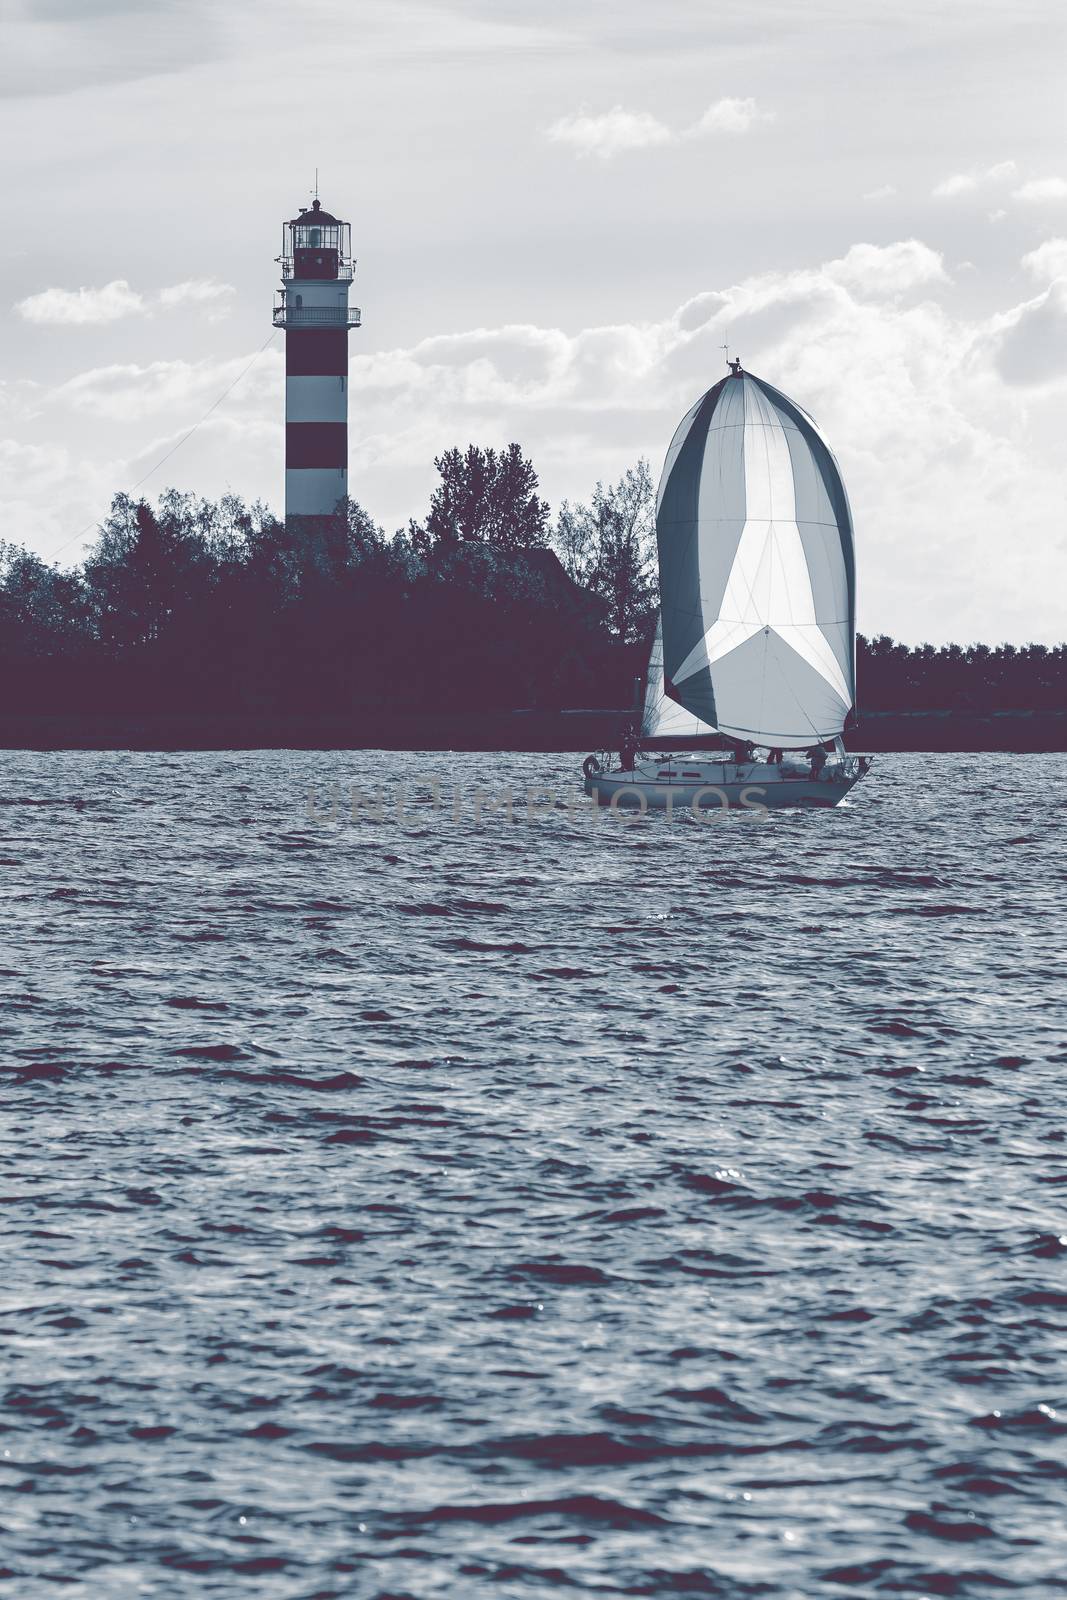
(312, 306)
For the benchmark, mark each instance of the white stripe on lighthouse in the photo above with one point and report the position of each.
(316, 399)
(314, 491)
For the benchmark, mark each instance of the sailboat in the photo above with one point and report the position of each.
(752, 672)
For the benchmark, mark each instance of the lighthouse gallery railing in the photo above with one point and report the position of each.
(316, 316)
(343, 274)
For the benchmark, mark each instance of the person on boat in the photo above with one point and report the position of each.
(628, 750)
(774, 758)
(818, 761)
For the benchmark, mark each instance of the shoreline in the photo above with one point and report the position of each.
(1020, 732)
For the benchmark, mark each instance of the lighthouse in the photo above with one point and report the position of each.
(312, 307)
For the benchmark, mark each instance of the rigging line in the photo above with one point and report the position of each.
(763, 674)
(174, 447)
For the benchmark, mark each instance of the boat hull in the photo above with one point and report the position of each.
(708, 788)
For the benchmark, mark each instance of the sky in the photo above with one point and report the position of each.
(561, 213)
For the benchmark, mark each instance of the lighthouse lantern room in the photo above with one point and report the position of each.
(312, 307)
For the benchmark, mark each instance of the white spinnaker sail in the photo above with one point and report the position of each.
(757, 573)
(664, 718)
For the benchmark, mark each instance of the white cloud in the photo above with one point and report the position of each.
(48, 494)
(67, 307)
(884, 192)
(611, 133)
(1031, 341)
(1036, 191)
(871, 269)
(968, 182)
(1049, 260)
(206, 292)
(1040, 191)
(95, 307)
(959, 183)
(730, 116)
(52, 497)
(127, 392)
(19, 400)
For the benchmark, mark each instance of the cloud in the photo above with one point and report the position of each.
(49, 493)
(52, 496)
(884, 192)
(611, 133)
(1036, 191)
(1049, 260)
(1042, 191)
(959, 183)
(207, 293)
(1031, 340)
(926, 407)
(730, 116)
(95, 307)
(128, 392)
(967, 182)
(871, 269)
(19, 399)
(68, 307)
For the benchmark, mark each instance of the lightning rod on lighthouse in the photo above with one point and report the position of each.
(312, 307)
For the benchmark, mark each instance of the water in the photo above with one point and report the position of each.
(415, 1209)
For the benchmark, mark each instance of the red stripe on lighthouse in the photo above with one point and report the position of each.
(316, 353)
(316, 444)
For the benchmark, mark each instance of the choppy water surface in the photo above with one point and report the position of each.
(414, 1209)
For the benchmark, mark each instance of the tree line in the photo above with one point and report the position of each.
(975, 679)
(488, 603)
(198, 606)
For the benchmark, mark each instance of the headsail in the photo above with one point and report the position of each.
(664, 718)
(757, 575)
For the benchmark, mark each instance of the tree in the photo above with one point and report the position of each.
(144, 565)
(485, 497)
(329, 550)
(42, 610)
(609, 546)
